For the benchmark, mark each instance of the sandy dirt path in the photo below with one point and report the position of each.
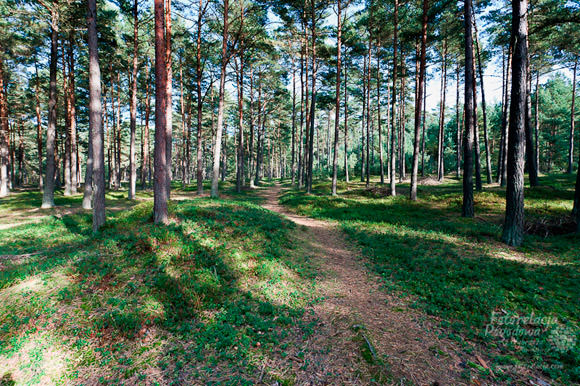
(357, 316)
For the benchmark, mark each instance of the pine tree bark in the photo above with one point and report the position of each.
(313, 101)
(73, 120)
(95, 121)
(441, 136)
(160, 171)
(369, 116)
(133, 107)
(220, 118)
(513, 229)
(346, 176)
(145, 161)
(467, 208)
(572, 113)
(363, 121)
(419, 100)
(293, 166)
(337, 98)
(198, 76)
(379, 124)
(537, 122)
(457, 117)
(4, 135)
(49, 184)
(483, 105)
(394, 99)
(530, 150)
(169, 103)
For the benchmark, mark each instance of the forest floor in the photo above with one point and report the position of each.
(273, 286)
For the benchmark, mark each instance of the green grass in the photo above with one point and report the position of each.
(458, 270)
(206, 299)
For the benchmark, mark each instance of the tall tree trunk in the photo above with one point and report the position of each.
(530, 152)
(363, 120)
(467, 209)
(38, 120)
(369, 117)
(145, 170)
(513, 229)
(161, 168)
(441, 136)
(379, 125)
(133, 108)
(418, 100)
(169, 104)
(457, 116)
(220, 117)
(293, 167)
(118, 136)
(483, 105)
(504, 123)
(67, 125)
(423, 134)
(4, 135)
(313, 102)
(394, 99)
(198, 75)
(403, 121)
(337, 98)
(301, 135)
(478, 184)
(48, 195)
(571, 138)
(73, 120)
(537, 122)
(95, 123)
(346, 177)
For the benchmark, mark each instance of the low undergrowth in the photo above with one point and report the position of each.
(207, 299)
(522, 303)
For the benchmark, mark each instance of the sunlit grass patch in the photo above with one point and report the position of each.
(457, 268)
(218, 288)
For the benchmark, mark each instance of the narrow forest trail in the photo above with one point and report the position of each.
(356, 314)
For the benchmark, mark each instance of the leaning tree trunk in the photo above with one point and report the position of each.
(513, 229)
(394, 101)
(161, 177)
(133, 113)
(419, 101)
(48, 195)
(95, 123)
(467, 208)
(220, 118)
